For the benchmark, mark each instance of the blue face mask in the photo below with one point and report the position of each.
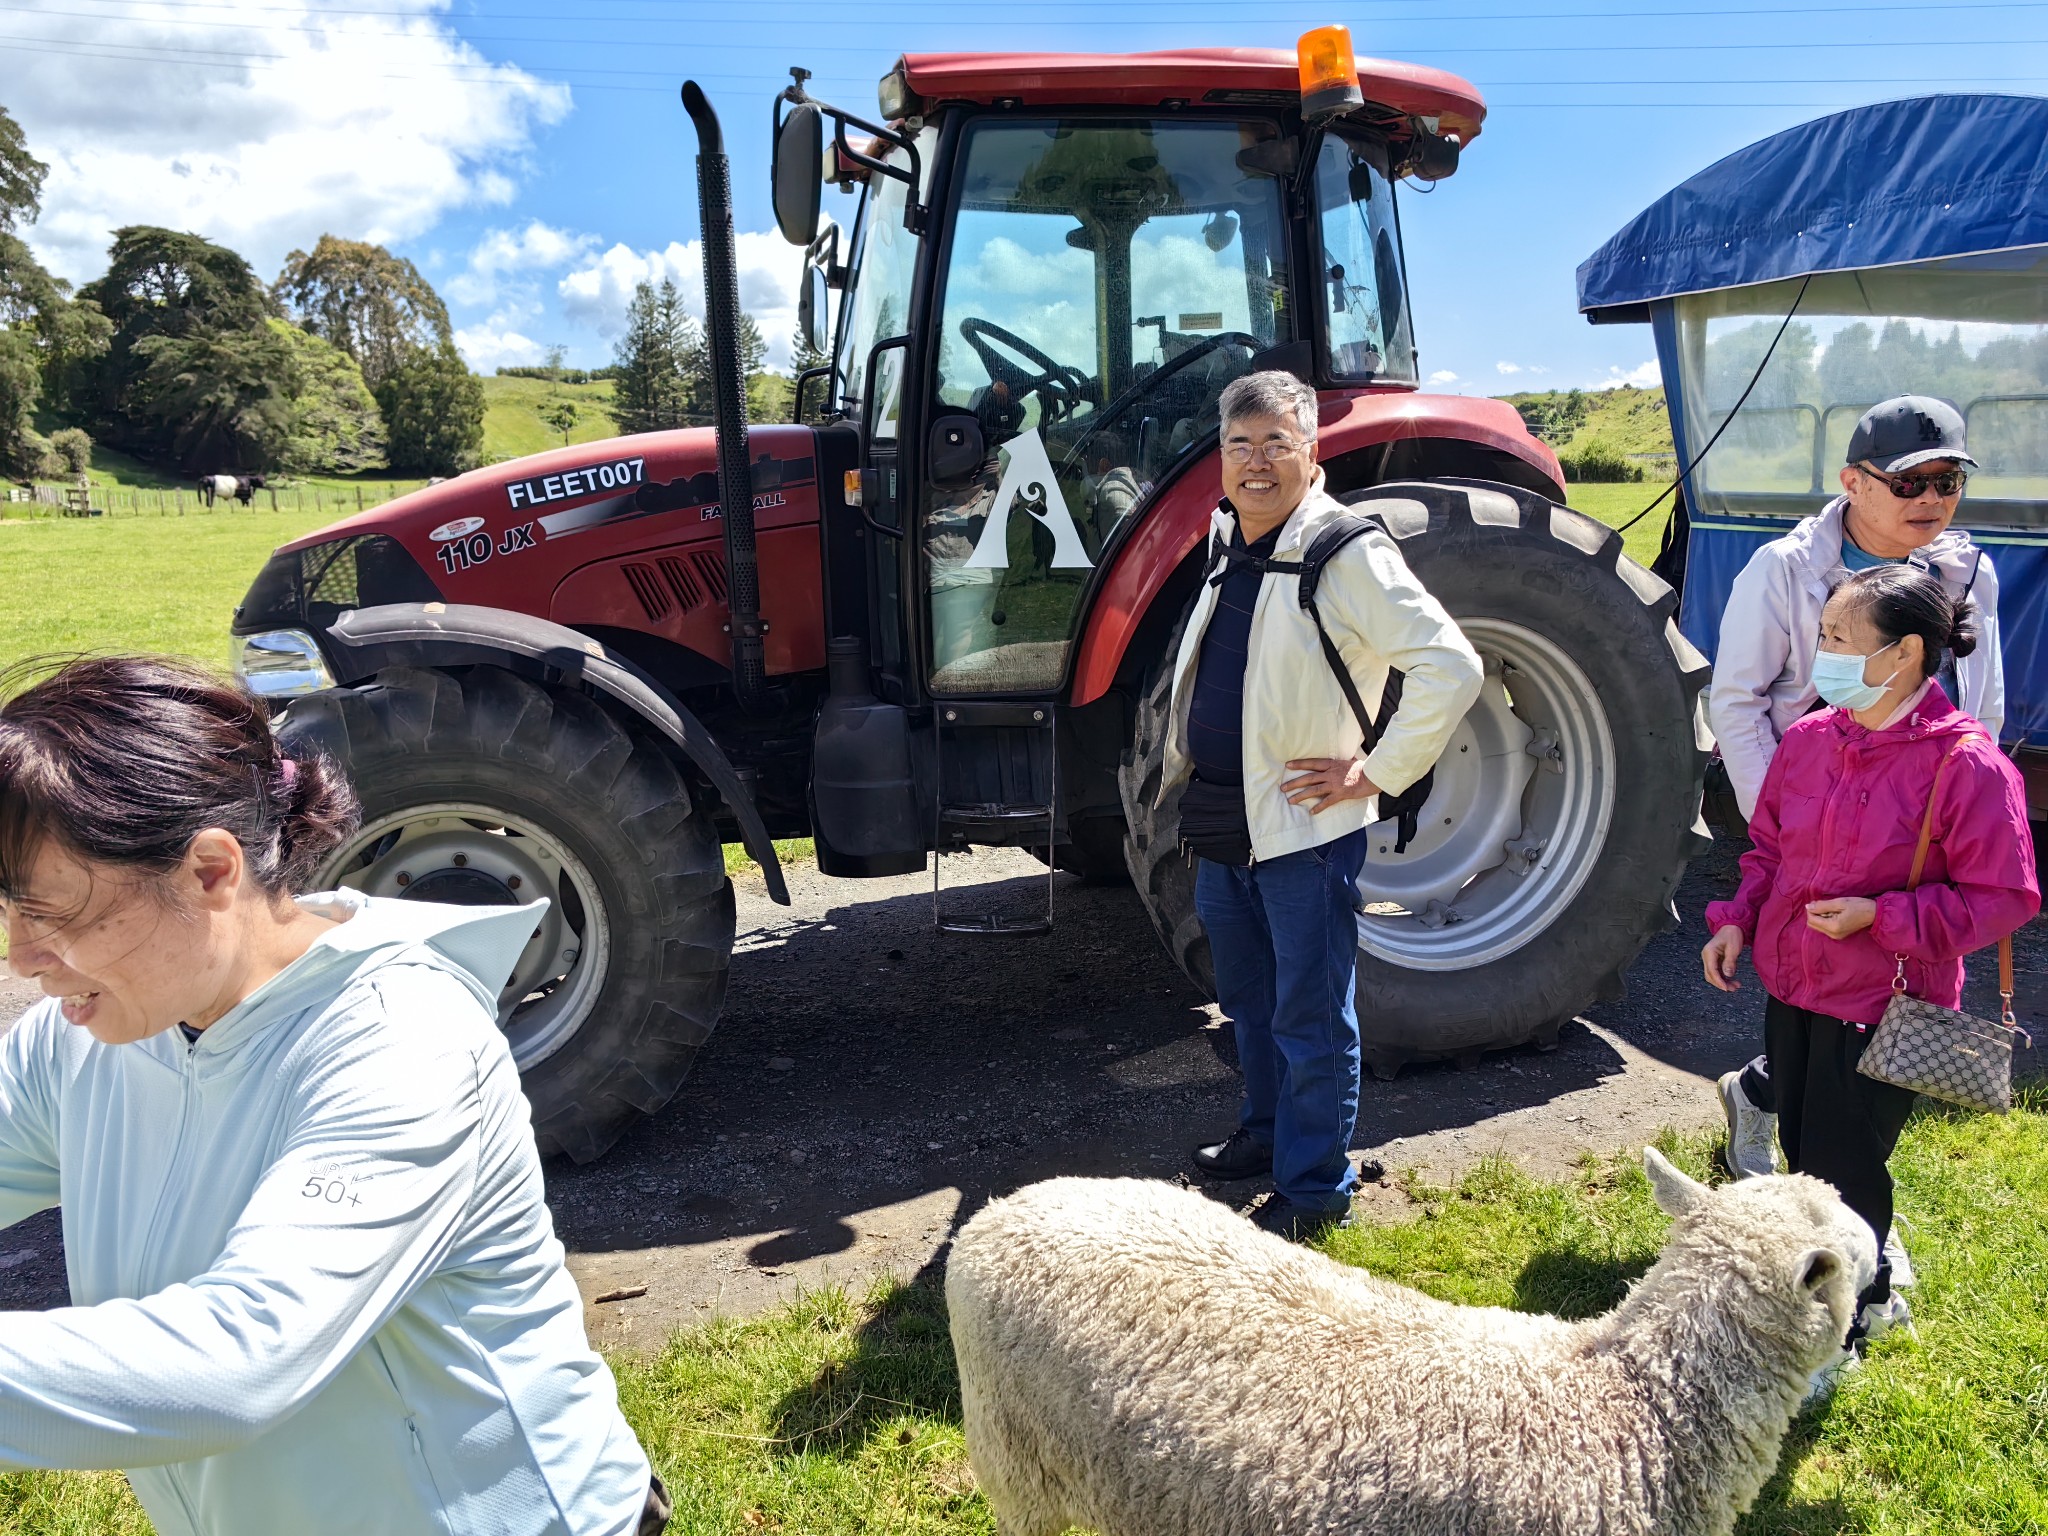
(1838, 678)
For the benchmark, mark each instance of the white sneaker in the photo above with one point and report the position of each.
(1881, 1319)
(1895, 1255)
(1821, 1385)
(1752, 1150)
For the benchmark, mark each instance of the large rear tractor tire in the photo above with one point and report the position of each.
(1565, 806)
(480, 787)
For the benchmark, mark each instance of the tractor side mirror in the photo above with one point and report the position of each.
(797, 174)
(814, 309)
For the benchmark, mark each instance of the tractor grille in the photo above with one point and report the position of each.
(677, 583)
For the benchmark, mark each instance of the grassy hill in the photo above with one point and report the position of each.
(1628, 421)
(512, 415)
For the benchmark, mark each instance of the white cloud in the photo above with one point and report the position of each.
(1642, 376)
(505, 254)
(597, 293)
(265, 134)
(1507, 367)
(494, 342)
(1443, 376)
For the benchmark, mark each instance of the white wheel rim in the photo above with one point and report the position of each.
(487, 857)
(1515, 824)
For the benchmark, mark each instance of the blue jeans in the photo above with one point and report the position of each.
(1284, 936)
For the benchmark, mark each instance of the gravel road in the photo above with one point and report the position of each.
(873, 1083)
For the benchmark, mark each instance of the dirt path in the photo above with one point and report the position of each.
(873, 1083)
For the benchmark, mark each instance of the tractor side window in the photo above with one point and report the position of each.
(884, 263)
(1106, 279)
(1364, 294)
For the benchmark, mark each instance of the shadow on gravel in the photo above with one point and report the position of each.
(866, 1060)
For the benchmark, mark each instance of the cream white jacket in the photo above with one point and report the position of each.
(1763, 666)
(1380, 617)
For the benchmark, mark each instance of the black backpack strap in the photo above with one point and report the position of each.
(1404, 809)
(1322, 549)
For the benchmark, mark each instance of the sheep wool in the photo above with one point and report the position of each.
(1138, 1360)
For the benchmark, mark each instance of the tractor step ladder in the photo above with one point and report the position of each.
(1001, 808)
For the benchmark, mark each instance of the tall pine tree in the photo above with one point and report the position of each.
(656, 359)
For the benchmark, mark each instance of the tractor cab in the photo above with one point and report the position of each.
(1052, 273)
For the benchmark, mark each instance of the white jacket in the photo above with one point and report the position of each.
(315, 1286)
(1380, 617)
(1763, 670)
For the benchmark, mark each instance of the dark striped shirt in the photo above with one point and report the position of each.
(1216, 712)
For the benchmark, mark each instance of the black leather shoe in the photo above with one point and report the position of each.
(1242, 1156)
(1298, 1223)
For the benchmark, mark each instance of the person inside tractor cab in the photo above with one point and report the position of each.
(1275, 796)
(1907, 464)
(315, 1283)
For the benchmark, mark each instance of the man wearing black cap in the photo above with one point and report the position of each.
(1907, 463)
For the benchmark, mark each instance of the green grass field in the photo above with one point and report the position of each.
(835, 1416)
(512, 415)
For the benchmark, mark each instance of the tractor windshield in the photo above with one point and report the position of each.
(1105, 279)
(1364, 297)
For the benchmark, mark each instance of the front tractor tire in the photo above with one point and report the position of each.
(1565, 805)
(481, 787)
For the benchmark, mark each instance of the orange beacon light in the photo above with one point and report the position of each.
(1329, 74)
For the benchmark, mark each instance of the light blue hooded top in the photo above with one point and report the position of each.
(316, 1287)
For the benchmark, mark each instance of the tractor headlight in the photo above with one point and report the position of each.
(895, 97)
(279, 663)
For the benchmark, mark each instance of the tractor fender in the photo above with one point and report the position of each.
(1170, 530)
(364, 641)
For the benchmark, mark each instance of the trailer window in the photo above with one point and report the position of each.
(1972, 330)
(1365, 305)
(1106, 278)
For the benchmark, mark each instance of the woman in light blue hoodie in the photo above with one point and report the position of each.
(316, 1287)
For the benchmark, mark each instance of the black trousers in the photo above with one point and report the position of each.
(1834, 1122)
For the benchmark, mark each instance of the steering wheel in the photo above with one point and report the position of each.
(1064, 389)
(1155, 381)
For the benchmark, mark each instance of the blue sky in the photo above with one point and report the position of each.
(531, 154)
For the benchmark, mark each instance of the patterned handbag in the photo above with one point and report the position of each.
(1943, 1052)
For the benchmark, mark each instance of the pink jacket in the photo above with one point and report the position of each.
(1839, 815)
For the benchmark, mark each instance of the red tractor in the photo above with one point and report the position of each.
(938, 612)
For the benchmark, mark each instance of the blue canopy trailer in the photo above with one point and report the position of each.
(1913, 237)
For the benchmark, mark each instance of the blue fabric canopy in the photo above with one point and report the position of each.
(1901, 181)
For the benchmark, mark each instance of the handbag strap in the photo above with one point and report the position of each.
(2005, 976)
(1927, 821)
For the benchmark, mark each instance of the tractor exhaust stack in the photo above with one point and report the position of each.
(729, 401)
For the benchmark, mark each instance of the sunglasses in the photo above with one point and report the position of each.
(1910, 487)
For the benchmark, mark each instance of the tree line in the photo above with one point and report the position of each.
(661, 371)
(181, 354)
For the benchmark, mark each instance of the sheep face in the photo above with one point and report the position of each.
(1788, 1240)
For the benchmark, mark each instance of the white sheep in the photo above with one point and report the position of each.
(1137, 1360)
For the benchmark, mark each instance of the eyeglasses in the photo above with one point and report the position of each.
(1271, 451)
(1910, 487)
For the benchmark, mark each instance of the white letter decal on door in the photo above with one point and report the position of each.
(1028, 475)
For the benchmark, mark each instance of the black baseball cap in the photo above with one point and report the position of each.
(1912, 429)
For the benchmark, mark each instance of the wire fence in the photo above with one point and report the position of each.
(173, 501)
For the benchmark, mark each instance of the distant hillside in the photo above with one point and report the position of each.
(512, 415)
(513, 409)
(1614, 426)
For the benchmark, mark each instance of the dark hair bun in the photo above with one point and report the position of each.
(1962, 636)
(319, 813)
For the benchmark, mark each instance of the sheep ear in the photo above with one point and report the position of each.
(1817, 1266)
(1676, 1195)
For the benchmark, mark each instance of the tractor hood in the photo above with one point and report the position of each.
(577, 534)
(567, 493)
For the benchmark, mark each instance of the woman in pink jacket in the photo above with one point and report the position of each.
(1823, 901)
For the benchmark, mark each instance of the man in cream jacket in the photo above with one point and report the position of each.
(1276, 798)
